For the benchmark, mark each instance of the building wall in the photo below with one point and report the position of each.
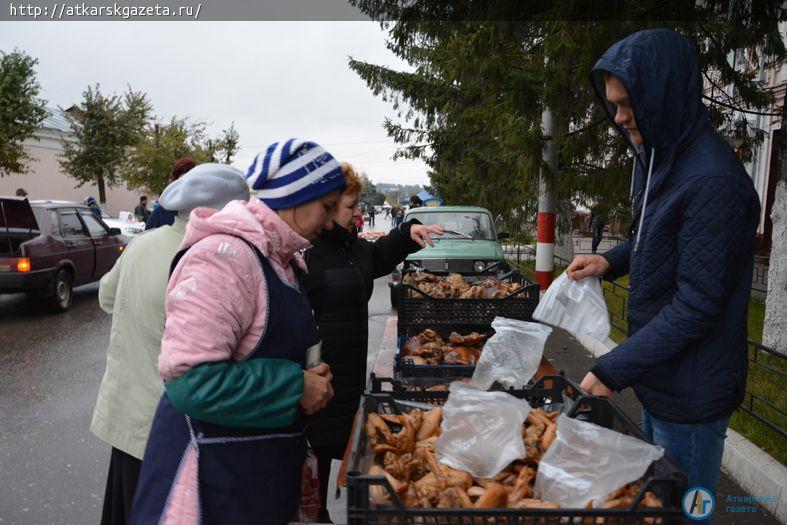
(47, 181)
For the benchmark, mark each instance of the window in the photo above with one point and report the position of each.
(95, 228)
(72, 226)
(54, 224)
(461, 224)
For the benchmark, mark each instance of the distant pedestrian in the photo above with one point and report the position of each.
(372, 213)
(399, 217)
(91, 203)
(416, 202)
(161, 215)
(141, 210)
(597, 224)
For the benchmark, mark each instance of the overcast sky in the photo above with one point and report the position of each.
(274, 79)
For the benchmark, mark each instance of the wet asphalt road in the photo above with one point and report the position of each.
(52, 469)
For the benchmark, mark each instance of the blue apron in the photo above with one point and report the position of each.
(245, 475)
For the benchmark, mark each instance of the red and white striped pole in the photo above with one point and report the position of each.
(545, 239)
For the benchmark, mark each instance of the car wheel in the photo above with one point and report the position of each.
(62, 293)
(394, 297)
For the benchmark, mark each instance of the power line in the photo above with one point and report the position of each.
(749, 111)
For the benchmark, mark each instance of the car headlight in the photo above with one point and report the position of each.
(479, 266)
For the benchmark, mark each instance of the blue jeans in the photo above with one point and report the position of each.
(695, 448)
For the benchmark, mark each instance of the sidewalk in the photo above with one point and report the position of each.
(574, 360)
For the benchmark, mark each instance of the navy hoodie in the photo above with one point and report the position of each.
(690, 252)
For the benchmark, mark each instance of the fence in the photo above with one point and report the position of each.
(763, 361)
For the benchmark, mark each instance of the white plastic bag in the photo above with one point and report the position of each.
(576, 306)
(586, 462)
(511, 356)
(481, 432)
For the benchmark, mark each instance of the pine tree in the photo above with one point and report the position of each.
(471, 106)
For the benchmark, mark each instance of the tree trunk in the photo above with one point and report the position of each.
(775, 330)
(102, 197)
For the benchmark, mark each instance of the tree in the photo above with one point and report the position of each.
(105, 127)
(482, 72)
(774, 332)
(229, 144)
(21, 111)
(369, 192)
(150, 161)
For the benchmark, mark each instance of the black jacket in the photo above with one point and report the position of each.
(160, 217)
(342, 269)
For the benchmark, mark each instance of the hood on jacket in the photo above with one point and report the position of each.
(254, 222)
(661, 72)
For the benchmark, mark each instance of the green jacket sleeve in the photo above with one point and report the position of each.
(258, 393)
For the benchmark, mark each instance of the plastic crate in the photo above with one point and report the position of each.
(405, 369)
(418, 308)
(662, 477)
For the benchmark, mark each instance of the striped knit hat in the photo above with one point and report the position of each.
(293, 172)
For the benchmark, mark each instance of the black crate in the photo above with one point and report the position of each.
(418, 308)
(405, 369)
(547, 391)
(663, 478)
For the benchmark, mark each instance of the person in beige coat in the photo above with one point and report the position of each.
(134, 292)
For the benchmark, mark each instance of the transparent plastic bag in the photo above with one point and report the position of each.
(576, 306)
(511, 356)
(481, 431)
(586, 462)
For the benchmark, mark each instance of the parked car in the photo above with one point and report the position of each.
(470, 243)
(49, 247)
(128, 228)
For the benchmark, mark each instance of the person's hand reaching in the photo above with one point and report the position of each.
(587, 266)
(420, 234)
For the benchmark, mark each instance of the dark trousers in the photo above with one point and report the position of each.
(121, 485)
(598, 234)
(324, 457)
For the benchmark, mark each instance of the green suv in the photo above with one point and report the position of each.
(469, 244)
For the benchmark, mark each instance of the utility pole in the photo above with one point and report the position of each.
(545, 238)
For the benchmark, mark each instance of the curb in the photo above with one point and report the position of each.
(756, 472)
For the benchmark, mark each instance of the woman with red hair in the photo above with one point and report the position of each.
(342, 270)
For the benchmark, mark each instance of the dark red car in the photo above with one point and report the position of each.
(49, 247)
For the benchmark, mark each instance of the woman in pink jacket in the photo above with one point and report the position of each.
(226, 443)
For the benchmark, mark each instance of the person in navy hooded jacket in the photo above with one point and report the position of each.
(689, 254)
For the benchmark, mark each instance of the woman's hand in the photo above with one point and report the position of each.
(420, 233)
(587, 266)
(317, 390)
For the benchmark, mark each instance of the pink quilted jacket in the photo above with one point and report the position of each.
(216, 304)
